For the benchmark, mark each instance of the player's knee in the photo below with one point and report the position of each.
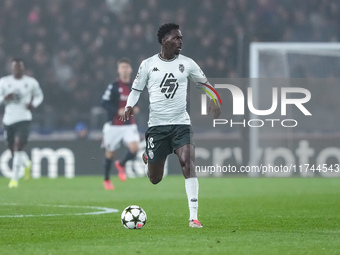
(155, 171)
(109, 155)
(134, 153)
(133, 147)
(134, 150)
(155, 179)
(187, 164)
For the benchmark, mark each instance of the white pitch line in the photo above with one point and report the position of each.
(102, 210)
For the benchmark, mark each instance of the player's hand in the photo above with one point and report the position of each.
(9, 97)
(127, 114)
(215, 109)
(30, 106)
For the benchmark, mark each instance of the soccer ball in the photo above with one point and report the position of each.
(133, 217)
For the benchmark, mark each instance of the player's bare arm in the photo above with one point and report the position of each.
(135, 111)
(215, 109)
(130, 105)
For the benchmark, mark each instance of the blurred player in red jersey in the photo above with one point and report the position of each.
(115, 131)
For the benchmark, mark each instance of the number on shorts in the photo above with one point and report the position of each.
(150, 142)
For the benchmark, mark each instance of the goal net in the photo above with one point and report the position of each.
(311, 141)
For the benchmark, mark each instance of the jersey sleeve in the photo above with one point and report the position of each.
(110, 100)
(138, 85)
(141, 78)
(197, 76)
(37, 94)
(195, 73)
(109, 94)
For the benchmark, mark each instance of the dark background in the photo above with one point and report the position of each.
(71, 47)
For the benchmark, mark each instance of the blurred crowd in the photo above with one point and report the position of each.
(71, 47)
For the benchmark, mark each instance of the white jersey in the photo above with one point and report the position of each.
(26, 90)
(167, 81)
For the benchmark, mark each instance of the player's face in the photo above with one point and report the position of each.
(174, 42)
(124, 70)
(17, 68)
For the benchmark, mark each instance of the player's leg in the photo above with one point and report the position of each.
(107, 167)
(9, 137)
(26, 164)
(111, 140)
(131, 140)
(108, 163)
(23, 129)
(18, 159)
(156, 171)
(186, 156)
(20, 134)
(131, 154)
(157, 148)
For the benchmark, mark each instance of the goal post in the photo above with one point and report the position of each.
(288, 61)
(312, 49)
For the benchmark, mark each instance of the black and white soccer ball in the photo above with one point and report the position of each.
(133, 217)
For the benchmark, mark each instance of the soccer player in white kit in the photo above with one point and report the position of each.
(20, 94)
(166, 77)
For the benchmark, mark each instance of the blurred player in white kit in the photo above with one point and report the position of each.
(20, 94)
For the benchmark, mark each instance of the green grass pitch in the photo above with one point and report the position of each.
(240, 216)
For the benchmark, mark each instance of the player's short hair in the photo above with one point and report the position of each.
(18, 60)
(165, 29)
(124, 60)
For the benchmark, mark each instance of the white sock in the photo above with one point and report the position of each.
(24, 159)
(191, 187)
(146, 170)
(17, 162)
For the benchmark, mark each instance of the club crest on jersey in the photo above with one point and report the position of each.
(181, 67)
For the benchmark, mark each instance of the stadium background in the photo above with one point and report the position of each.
(71, 47)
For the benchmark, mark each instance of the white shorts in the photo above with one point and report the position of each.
(113, 135)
